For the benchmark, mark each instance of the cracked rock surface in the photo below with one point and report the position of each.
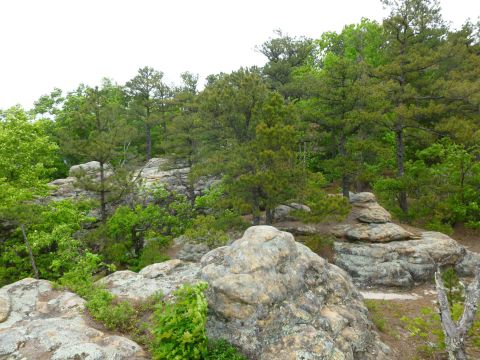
(43, 323)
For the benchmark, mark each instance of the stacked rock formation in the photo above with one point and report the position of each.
(375, 251)
(268, 294)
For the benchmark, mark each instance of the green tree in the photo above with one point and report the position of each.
(151, 97)
(94, 128)
(414, 48)
(27, 157)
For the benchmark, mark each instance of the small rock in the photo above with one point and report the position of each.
(377, 232)
(371, 213)
(362, 197)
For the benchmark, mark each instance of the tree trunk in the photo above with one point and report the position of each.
(30, 253)
(345, 178)
(400, 155)
(255, 208)
(103, 202)
(268, 216)
(456, 333)
(148, 138)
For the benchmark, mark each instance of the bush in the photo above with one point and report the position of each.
(179, 328)
(322, 205)
(119, 316)
(223, 350)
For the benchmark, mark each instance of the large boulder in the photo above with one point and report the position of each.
(162, 278)
(397, 263)
(275, 299)
(43, 323)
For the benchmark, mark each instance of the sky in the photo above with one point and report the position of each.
(62, 43)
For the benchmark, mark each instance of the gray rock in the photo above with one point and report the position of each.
(192, 252)
(377, 232)
(275, 299)
(161, 278)
(48, 324)
(362, 197)
(156, 172)
(4, 306)
(371, 212)
(469, 264)
(91, 167)
(282, 212)
(297, 228)
(397, 263)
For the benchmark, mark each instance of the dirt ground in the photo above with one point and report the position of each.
(395, 332)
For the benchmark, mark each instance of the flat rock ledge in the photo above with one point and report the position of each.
(398, 263)
(276, 299)
(43, 323)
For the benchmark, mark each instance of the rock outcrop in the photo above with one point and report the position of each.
(38, 322)
(377, 252)
(162, 278)
(157, 171)
(397, 263)
(275, 299)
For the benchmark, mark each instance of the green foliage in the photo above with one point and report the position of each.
(223, 350)
(442, 186)
(135, 235)
(52, 233)
(179, 328)
(115, 316)
(427, 329)
(454, 287)
(323, 206)
(376, 315)
(27, 157)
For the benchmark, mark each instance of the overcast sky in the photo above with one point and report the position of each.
(62, 43)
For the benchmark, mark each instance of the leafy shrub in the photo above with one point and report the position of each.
(223, 350)
(52, 233)
(115, 316)
(179, 328)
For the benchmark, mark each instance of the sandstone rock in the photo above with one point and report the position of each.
(282, 212)
(377, 232)
(276, 299)
(192, 252)
(162, 278)
(48, 324)
(297, 228)
(362, 197)
(468, 265)
(397, 263)
(371, 213)
(4, 306)
(90, 167)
